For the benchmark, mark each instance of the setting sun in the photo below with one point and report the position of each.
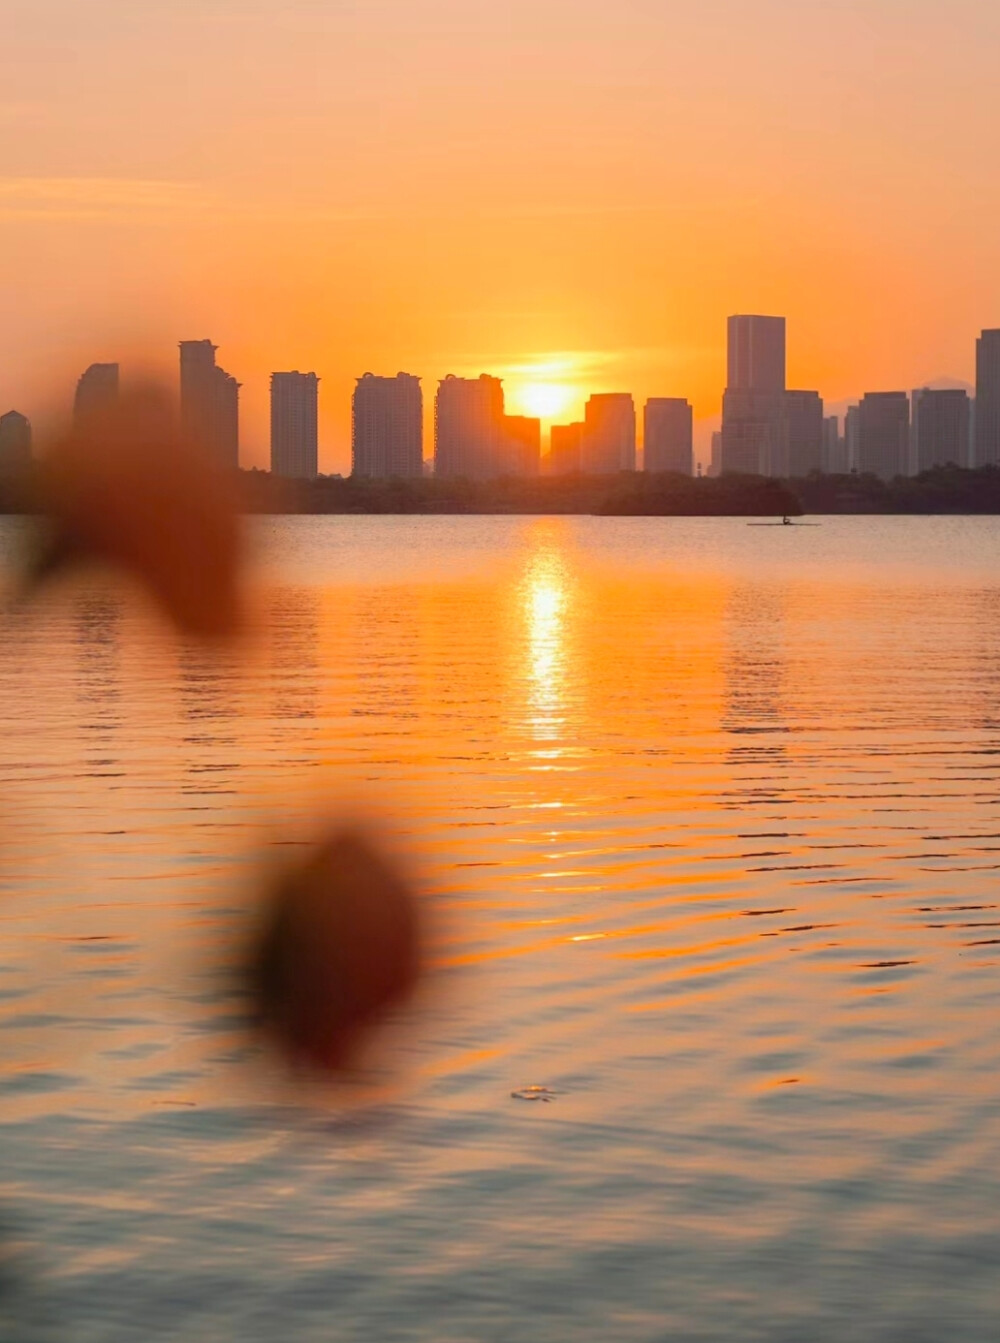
(546, 400)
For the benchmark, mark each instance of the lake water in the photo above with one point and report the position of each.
(710, 817)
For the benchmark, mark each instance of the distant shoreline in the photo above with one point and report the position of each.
(944, 490)
(948, 491)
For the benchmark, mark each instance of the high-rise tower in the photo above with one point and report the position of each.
(752, 406)
(388, 427)
(939, 431)
(96, 391)
(607, 443)
(756, 354)
(294, 433)
(15, 441)
(988, 399)
(469, 431)
(882, 434)
(668, 435)
(210, 404)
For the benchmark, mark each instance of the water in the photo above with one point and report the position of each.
(713, 819)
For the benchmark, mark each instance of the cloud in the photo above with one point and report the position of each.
(95, 198)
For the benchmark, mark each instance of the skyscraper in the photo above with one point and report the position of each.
(96, 391)
(388, 427)
(15, 441)
(752, 406)
(801, 435)
(294, 431)
(668, 435)
(940, 428)
(469, 433)
(522, 452)
(882, 431)
(210, 404)
(564, 448)
(756, 354)
(607, 443)
(988, 398)
(834, 460)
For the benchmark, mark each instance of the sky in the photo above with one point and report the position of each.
(572, 194)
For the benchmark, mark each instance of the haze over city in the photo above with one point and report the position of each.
(568, 194)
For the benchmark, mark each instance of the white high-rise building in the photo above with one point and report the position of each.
(294, 425)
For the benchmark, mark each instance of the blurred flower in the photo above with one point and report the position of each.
(341, 945)
(124, 488)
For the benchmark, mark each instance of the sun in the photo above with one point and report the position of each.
(545, 400)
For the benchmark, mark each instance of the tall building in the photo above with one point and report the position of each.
(834, 458)
(753, 420)
(715, 463)
(939, 431)
(522, 451)
(96, 391)
(210, 404)
(987, 412)
(607, 443)
(752, 427)
(294, 425)
(388, 427)
(668, 435)
(756, 354)
(564, 448)
(851, 437)
(883, 434)
(15, 441)
(801, 444)
(469, 432)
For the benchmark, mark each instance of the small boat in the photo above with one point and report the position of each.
(785, 522)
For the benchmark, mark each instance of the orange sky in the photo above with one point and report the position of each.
(461, 186)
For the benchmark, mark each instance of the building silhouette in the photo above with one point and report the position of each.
(294, 425)
(851, 437)
(767, 429)
(522, 446)
(882, 434)
(752, 404)
(755, 354)
(387, 436)
(940, 428)
(96, 391)
(715, 461)
(801, 441)
(15, 441)
(564, 448)
(987, 412)
(607, 442)
(210, 404)
(668, 435)
(834, 461)
(469, 431)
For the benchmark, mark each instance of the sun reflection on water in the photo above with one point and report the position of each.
(545, 605)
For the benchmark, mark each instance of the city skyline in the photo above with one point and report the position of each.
(568, 378)
(765, 429)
